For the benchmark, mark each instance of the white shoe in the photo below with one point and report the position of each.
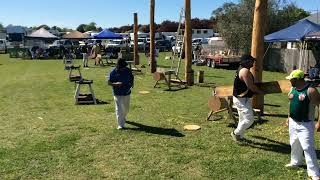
(120, 127)
(290, 165)
(314, 177)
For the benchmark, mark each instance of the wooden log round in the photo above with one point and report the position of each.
(216, 103)
(157, 76)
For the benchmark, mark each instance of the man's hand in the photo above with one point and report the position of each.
(117, 84)
(286, 123)
(318, 126)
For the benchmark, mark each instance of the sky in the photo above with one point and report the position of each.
(108, 13)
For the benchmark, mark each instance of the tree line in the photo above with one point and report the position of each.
(165, 26)
(234, 20)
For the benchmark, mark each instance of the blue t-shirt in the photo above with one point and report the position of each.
(125, 76)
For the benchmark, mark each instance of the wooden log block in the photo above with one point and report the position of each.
(200, 76)
(216, 103)
(157, 76)
(282, 86)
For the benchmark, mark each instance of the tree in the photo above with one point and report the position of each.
(91, 27)
(168, 26)
(2, 29)
(81, 28)
(285, 17)
(44, 26)
(234, 21)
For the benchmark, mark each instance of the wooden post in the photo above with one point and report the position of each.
(200, 77)
(152, 38)
(188, 44)
(135, 31)
(257, 49)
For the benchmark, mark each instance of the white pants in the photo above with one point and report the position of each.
(122, 104)
(85, 59)
(246, 118)
(302, 141)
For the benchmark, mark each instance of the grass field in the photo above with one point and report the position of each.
(43, 135)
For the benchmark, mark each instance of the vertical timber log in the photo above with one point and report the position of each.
(135, 31)
(257, 48)
(152, 37)
(188, 45)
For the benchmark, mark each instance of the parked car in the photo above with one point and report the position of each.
(117, 43)
(92, 42)
(3, 45)
(141, 44)
(61, 43)
(163, 45)
(199, 41)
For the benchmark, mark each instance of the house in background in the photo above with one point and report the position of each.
(16, 33)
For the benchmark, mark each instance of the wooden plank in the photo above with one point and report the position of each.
(282, 86)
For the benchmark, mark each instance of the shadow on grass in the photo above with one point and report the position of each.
(208, 84)
(99, 102)
(276, 115)
(213, 76)
(271, 145)
(272, 105)
(155, 130)
(164, 66)
(258, 122)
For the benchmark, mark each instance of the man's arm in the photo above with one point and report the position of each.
(246, 76)
(314, 97)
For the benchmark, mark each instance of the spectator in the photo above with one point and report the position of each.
(121, 80)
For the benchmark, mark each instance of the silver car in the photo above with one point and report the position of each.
(3, 46)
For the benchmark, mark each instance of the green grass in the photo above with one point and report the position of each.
(43, 135)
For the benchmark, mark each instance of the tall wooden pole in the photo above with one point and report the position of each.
(188, 44)
(152, 38)
(135, 31)
(257, 48)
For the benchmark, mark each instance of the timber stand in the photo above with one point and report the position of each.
(68, 62)
(220, 104)
(84, 98)
(166, 76)
(74, 76)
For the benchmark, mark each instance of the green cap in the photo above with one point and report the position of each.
(296, 74)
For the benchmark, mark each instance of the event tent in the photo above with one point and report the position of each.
(76, 35)
(296, 32)
(106, 34)
(42, 33)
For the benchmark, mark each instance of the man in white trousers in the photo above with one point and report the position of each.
(243, 89)
(121, 80)
(85, 55)
(302, 102)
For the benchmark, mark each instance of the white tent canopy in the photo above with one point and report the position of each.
(41, 33)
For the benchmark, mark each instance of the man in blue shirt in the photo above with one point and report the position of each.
(121, 80)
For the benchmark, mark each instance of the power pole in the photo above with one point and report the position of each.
(152, 38)
(135, 31)
(188, 44)
(257, 48)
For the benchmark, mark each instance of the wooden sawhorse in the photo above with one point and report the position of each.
(74, 77)
(217, 104)
(84, 98)
(158, 76)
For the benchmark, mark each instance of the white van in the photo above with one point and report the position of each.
(3, 45)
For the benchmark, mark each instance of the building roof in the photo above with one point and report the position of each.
(75, 35)
(315, 18)
(41, 33)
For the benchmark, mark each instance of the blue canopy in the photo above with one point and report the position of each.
(106, 34)
(296, 32)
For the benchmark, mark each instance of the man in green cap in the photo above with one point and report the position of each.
(302, 101)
